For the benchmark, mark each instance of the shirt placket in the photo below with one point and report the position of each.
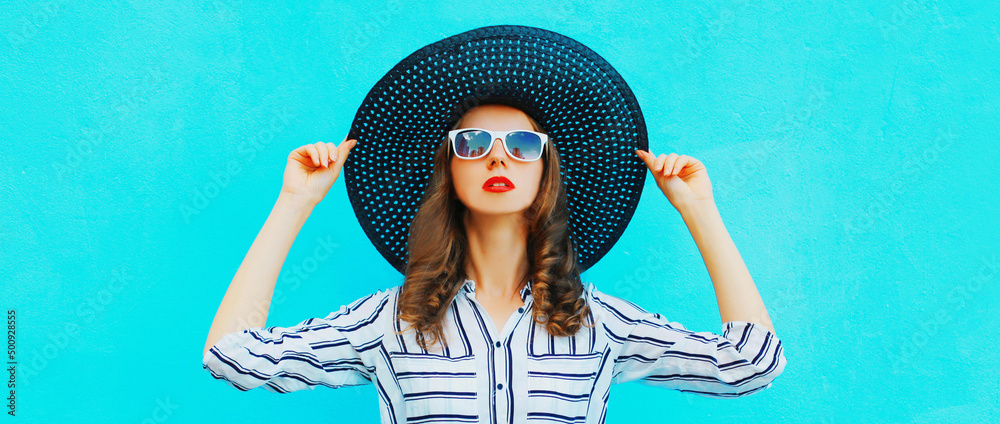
(499, 399)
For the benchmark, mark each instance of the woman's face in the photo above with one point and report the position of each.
(470, 176)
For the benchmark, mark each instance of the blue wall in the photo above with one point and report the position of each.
(852, 147)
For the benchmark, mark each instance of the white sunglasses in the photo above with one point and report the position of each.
(474, 143)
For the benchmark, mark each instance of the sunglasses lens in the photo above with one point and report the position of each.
(524, 145)
(473, 143)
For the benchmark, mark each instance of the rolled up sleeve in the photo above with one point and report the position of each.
(326, 351)
(744, 360)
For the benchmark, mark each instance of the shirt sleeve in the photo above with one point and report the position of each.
(326, 351)
(744, 360)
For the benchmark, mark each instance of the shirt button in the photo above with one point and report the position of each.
(498, 344)
(519, 310)
(500, 386)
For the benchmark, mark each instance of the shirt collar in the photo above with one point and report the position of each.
(470, 287)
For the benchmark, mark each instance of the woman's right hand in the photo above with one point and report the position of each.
(313, 168)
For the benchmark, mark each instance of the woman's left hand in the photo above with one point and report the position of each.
(683, 179)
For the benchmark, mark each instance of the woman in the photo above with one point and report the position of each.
(492, 321)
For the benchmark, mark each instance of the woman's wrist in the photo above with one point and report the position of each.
(697, 209)
(295, 204)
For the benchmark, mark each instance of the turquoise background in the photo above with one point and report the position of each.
(852, 148)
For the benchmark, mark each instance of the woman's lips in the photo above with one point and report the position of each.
(488, 185)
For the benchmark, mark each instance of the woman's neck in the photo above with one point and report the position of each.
(497, 254)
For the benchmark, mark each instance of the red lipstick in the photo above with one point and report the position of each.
(506, 184)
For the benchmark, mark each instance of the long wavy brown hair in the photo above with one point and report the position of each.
(437, 242)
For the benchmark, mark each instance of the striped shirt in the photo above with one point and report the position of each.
(516, 374)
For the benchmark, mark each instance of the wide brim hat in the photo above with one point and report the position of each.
(584, 105)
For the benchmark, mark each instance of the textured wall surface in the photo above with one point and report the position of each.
(852, 148)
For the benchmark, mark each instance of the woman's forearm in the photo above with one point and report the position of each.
(734, 288)
(248, 298)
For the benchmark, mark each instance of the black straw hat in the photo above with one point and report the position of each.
(582, 103)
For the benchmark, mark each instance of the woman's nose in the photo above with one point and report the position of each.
(497, 153)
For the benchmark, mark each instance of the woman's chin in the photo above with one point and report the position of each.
(495, 209)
